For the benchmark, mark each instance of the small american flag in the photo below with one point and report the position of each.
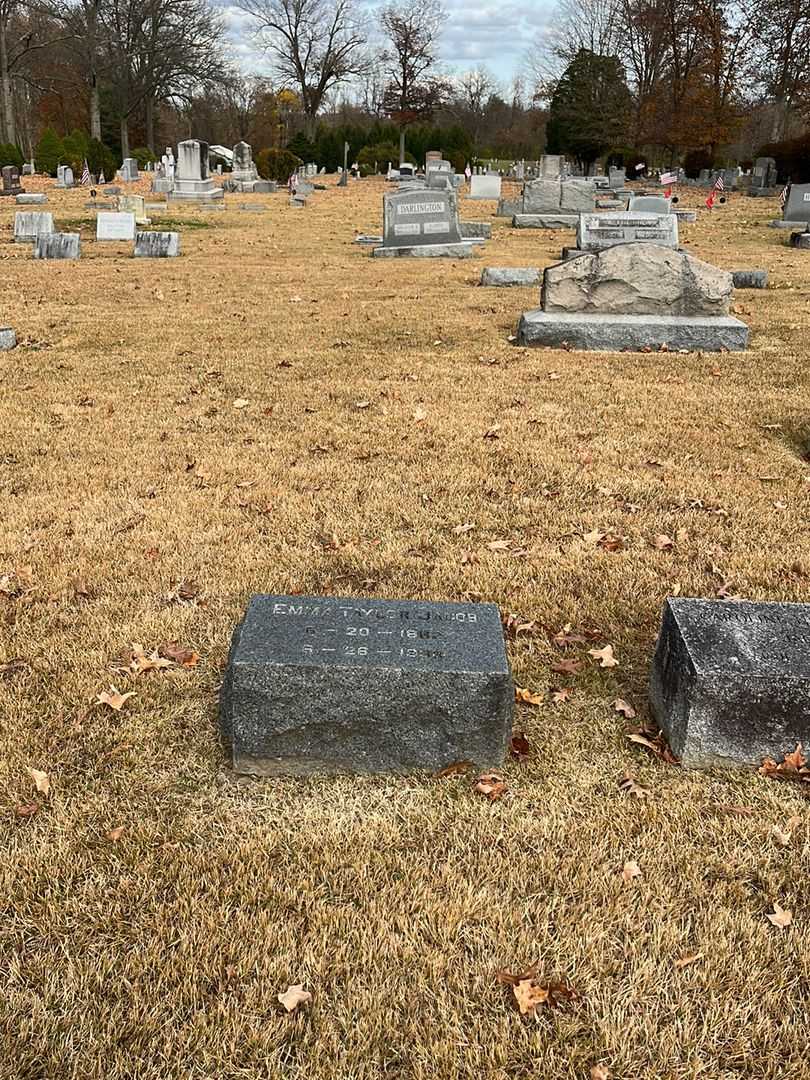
(85, 174)
(668, 178)
(783, 194)
(719, 185)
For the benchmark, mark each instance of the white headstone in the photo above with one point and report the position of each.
(112, 226)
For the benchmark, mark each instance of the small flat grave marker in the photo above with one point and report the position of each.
(730, 682)
(322, 684)
(598, 231)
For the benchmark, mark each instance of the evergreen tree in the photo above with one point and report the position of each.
(50, 152)
(589, 108)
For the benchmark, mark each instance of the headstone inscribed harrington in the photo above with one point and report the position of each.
(730, 682)
(797, 206)
(596, 232)
(417, 218)
(115, 226)
(325, 685)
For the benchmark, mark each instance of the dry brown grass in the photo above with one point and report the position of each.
(160, 955)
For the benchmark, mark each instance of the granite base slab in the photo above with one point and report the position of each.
(750, 279)
(508, 276)
(464, 250)
(545, 221)
(634, 333)
(8, 339)
(475, 230)
(779, 223)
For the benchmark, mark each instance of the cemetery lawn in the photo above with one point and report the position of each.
(276, 411)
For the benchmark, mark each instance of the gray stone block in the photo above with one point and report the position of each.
(30, 199)
(800, 240)
(750, 279)
(730, 681)
(58, 246)
(505, 276)
(8, 339)
(475, 230)
(509, 207)
(464, 250)
(779, 223)
(113, 190)
(689, 216)
(322, 684)
(157, 245)
(634, 333)
(545, 221)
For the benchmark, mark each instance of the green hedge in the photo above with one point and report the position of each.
(277, 165)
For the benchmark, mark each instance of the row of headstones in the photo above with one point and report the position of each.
(36, 227)
(728, 684)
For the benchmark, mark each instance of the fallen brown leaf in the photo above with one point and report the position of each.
(179, 654)
(567, 667)
(519, 746)
(622, 706)
(25, 810)
(41, 781)
(630, 871)
(689, 958)
(455, 768)
(784, 836)
(490, 784)
(295, 996)
(630, 786)
(116, 834)
(780, 917)
(526, 697)
(561, 696)
(114, 698)
(604, 656)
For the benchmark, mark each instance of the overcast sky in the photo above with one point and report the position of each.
(496, 33)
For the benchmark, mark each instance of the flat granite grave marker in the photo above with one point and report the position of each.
(325, 684)
(730, 681)
(8, 339)
(115, 226)
(29, 224)
(157, 245)
(598, 231)
(58, 246)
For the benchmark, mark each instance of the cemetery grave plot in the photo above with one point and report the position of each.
(277, 412)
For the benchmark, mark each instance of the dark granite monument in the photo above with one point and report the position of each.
(11, 181)
(328, 685)
(730, 682)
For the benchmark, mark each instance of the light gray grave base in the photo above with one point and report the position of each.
(162, 185)
(8, 339)
(57, 246)
(320, 685)
(475, 230)
(545, 221)
(509, 207)
(729, 684)
(464, 250)
(780, 223)
(507, 276)
(634, 333)
(800, 240)
(30, 199)
(689, 216)
(750, 279)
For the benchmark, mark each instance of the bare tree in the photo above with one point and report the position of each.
(593, 25)
(781, 31)
(472, 92)
(314, 44)
(414, 89)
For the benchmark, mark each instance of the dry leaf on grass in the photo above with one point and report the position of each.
(294, 996)
(780, 917)
(519, 746)
(241, 403)
(793, 767)
(491, 785)
(622, 706)
(567, 667)
(179, 654)
(529, 992)
(600, 1072)
(116, 834)
(689, 958)
(662, 542)
(784, 836)
(499, 545)
(604, 656)
(26, 810)
(653, 740)
(559, 697)
(630, 786)
(419, 414)
(41, 780)
(114, 698)
(631, 870)
(456, 768)
(527, 697)
(140, 663)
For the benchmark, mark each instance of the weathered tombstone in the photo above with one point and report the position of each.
(550, 166)
(750, 279)
(506, 277)
(617, 178)
(595, 232)
(57, 246)
(28, 168)
(326, 685)
(422, 223)
(636, 297)
(730, 682)
(11, 181)
(31, 198)
(244, 173)
(134, 204)
(650, 204)
(407, 171)
(192, 182)
(129, 170)
(438, 180)
(764, 173)
(485, 187)
(797, 204)
(115, 226)
(8, 339)
(157, 245)
(29, 224)
(553, 204)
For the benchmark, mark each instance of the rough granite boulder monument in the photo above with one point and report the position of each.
(636, 297)
(422, 224)
(330, 685)
(730, 682)
(192, 180)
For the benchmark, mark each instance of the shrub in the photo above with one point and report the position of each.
(277, 164)
(143, 155)
(10, 155)
(74, 149)
(696, 160)
(381, 153)
(50, 152)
